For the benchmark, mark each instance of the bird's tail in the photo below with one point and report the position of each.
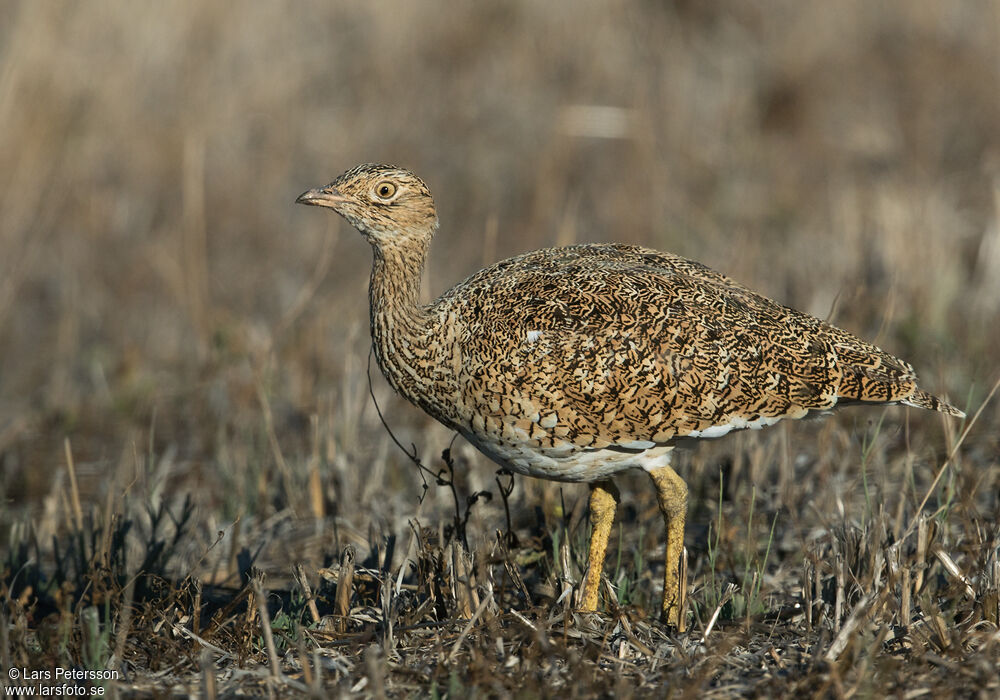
(877, 377)
(921, 399)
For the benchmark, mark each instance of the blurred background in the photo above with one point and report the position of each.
(175, 325)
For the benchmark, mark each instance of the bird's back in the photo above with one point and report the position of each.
(598, 347)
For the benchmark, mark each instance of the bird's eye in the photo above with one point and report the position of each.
(385, 189)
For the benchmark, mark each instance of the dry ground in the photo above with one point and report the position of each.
(185, 417)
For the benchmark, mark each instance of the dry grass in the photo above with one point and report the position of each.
(197, 488)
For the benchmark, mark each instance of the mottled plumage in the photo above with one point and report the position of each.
(575, 363)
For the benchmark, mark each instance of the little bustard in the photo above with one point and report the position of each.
(579, 362)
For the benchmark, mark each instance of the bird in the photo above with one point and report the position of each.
(579, 362)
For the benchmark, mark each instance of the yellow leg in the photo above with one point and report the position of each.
(603, 503)
(672, 494)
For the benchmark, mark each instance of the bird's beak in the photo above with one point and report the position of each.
(321, 197)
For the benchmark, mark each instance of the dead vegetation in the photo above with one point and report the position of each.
(895, 600)
(197, 489)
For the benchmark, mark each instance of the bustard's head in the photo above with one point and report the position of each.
(389, 205)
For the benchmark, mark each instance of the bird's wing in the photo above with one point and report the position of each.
(624, 345)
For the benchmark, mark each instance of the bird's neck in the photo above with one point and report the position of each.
(401, 327)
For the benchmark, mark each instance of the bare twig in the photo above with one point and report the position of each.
(74, 490)
(201, 640)
(265, 627)
(303, 581)
(730, 589)
(345, 582)
(952, 568)
(465, 630)
(847, 630)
